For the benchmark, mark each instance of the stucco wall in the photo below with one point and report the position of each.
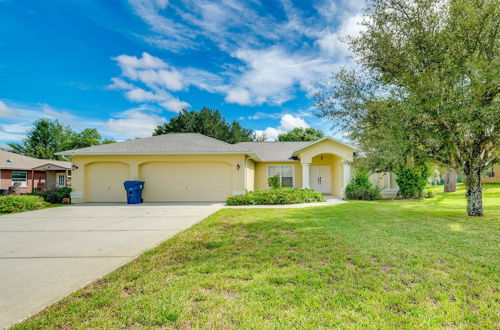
(496, 178)
(326, 147)
(250, 175)
(6, 179)
(261, 174)
(134, 162)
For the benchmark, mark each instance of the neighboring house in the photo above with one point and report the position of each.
(194, 167)
(30, 172)
(492, 175)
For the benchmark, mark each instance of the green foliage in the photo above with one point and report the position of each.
(360, 188)
(301, 134)
(47, 137)
(276, 197)
(12, 203)
(274, 182)
(54, 196)
(428, 193)
(427, 87)
(412, 182)
(208, 122)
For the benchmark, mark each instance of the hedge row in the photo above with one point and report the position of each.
(276, 197)
(12, 203)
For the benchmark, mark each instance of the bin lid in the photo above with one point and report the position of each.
(132, 183)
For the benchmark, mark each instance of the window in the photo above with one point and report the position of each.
(285, 174)
(20, 178)
(490, 173)
(61, 180)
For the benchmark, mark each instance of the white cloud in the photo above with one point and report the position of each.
(136, 122)
(272, 75)
(120, 84)
(238, 95)
(141, 95)
(270, 133)
(175, 105)
(287, 123)
(133, 123)
(334, 43)
(273, 57)
(150, 81)
(5, 111)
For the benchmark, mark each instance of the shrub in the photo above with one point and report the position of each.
(12, 203)
(276, 197)
(274, 182)
(428, 194)
(361, 188)
(56, 195)
(412, 181)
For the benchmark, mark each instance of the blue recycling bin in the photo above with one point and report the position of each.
(134, 191)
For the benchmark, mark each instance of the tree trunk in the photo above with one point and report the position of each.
(474, 192)
(450, 181)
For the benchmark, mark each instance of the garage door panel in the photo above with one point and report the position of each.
(172, 181)
(105, 182)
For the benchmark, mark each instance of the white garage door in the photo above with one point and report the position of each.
(176, 181)
(104, 182)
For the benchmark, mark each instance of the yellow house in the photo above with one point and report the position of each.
(492, 175)
(194, 167)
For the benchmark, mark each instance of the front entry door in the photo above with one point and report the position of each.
(319, 179)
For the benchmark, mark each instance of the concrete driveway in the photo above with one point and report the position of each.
(47, 254)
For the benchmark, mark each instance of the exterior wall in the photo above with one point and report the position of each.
(261, 174)
(250, 175)
(326, 147)
(6, 179)
(335, 155)
(336, 175)
(134, 162)
(496, 178)
(51, 179)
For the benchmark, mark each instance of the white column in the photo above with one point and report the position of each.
(305, 175)
(346, 170)
(388, 180)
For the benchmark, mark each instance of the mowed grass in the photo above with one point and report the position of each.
(381, 264)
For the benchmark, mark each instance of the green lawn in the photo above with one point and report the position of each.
(380, 264)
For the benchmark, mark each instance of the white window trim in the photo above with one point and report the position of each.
(23, 185)
(267, 174)
(58, 175)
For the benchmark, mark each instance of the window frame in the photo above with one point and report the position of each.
(279, 165)
(24, 184)
(490, 172)
(58, 176)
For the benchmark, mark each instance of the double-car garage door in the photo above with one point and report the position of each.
(165, 181)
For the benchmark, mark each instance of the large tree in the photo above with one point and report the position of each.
(301, 134)
(208, 122)
(427, 88)
(48, 137)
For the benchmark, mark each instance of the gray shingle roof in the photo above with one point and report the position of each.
(273, 151)
(10, 160)
(167, 144)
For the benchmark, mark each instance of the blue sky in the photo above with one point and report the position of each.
(125, 66)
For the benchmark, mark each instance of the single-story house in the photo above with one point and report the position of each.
(492, 174)
(194, 167)
(29, 173)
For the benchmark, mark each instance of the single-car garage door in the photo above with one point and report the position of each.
(186, 181)
(104, 182)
